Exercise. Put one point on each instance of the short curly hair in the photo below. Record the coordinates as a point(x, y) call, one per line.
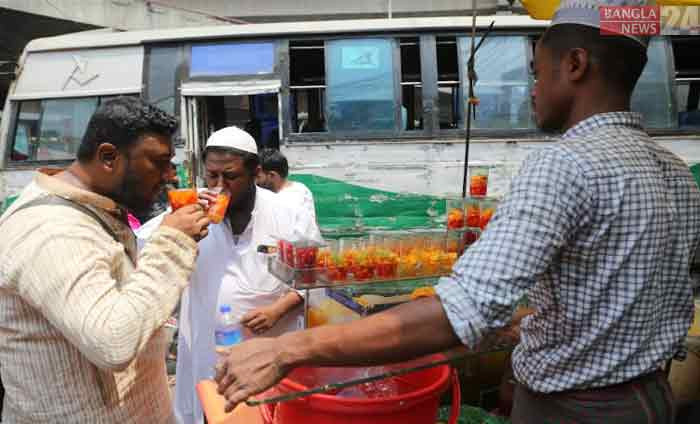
point(274, 160)
point(121, 122)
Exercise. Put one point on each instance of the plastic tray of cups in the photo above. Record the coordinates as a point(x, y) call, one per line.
point(310, 278)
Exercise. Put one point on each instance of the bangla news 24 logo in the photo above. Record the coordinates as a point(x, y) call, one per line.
point(650, 20)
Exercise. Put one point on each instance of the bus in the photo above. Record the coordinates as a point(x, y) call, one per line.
point(370, 113)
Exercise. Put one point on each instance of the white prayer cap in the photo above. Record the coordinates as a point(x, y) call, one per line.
point(233, 138)
point(587, 12)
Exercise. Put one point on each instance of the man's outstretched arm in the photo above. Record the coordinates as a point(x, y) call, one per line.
point(401, 333)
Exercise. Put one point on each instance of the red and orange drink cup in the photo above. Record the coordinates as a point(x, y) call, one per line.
point(455, 214)
point(454, 244)
point(217, 210)
point(478, 180)
point(337, 273)
point(305, 256)
point(387, 264)
point(182, 197)
point(305, 261)
point(473, 213)
point(470, 237)
point(487, 210)
point(282, 250)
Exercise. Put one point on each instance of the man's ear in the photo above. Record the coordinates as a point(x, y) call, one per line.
point(577, 62)
point(108, 156)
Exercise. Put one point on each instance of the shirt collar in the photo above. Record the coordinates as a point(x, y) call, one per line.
point(60, 188)
point(616, 119)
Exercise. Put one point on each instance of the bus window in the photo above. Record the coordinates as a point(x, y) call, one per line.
point(210, 60)
point(20, 150)
point(51, 129)
point(687, 81)
point(411, 89)
point(307, 75)
point(503, 85)
point(652, 94)
point(448, 83)
point(360, 85)
point(688, 98)
point(161, 89)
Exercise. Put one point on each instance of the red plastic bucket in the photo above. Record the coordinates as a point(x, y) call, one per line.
point(418, 402)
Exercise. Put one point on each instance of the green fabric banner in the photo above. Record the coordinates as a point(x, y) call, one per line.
point(343, 207)
point(695, 170)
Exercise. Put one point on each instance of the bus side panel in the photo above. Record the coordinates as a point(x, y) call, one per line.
point(403, 185)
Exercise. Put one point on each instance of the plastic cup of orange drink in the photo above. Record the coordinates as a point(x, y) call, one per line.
point(473, 213)
point(217, 210)
point(182, 197)
point(455, 213)
point(487, 210)
point(478, 180)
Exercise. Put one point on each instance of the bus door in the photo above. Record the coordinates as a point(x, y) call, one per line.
point(250, 105)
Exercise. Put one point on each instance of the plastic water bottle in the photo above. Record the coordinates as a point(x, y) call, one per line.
point(227, 332)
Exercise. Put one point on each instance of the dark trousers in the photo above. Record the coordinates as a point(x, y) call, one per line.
point(647, 399)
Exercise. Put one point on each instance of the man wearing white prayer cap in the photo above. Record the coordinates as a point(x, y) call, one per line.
point(229, 269)
point(598, 230)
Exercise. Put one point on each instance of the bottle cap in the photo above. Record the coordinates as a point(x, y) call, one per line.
point(224, 309)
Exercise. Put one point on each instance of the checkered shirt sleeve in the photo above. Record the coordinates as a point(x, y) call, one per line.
point(546, 204)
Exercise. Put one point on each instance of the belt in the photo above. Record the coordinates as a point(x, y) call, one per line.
point(601, 392)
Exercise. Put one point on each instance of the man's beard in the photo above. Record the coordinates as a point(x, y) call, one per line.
point(244, 202)
point(130, 194)
point(266, 185)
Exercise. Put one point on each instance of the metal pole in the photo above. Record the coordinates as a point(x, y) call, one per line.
point(390, 11)
point(470, 65)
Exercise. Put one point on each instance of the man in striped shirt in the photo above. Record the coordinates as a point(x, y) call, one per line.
point(81, 312)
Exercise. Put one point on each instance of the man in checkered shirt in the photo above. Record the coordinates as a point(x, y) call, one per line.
point(599, 231)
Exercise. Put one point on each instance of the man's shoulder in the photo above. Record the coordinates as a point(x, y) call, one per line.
point(305, 189)
point(670, 161)
point(22, 216)
point(296, 187)
point(270, 201)
point(300, 186)
point(555, 156)
point(265, 196)
point(30, 192)
point(296, 193)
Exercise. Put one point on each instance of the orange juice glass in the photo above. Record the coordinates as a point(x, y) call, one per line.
point(453, 243)
point(217, 210)
point(182, 197)
point(470, 237)
point(473, 213)
point(455, 214)
point(487, 210)
point(478, 180)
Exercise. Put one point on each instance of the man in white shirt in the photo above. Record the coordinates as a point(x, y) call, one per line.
point(273, 177)
point(229, 270)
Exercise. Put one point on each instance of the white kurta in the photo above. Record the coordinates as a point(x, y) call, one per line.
point(228, 273)
point(299, 196)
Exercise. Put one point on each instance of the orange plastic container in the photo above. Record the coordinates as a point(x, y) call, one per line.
point(417, 404)
point(182, 197)
point(217, 211)
point(213, 405)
